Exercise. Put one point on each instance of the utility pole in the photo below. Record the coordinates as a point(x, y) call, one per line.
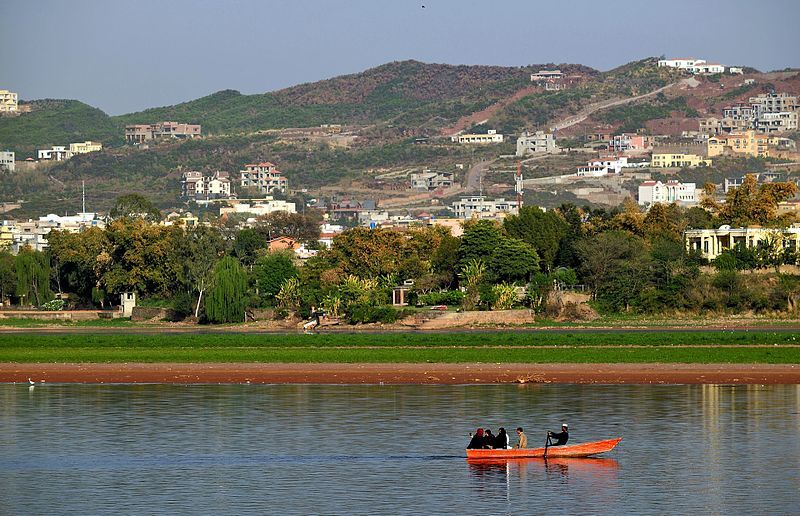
point(83, 196)
point(518, 184)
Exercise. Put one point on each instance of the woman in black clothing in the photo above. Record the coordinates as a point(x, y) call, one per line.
point(488, 438)
point(501, 441)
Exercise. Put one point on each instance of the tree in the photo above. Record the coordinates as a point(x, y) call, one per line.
point(202, 247)
point(513, 260)
point(303, 227)
point(479, 241)
point(749, 203)
point(227, 299)
point(135, 206)
point(473, 274)
point(270, 272)
point(543, 230)
point(247, 243)
point(603, 255)
point(81, 260)
point(33, 276)
point(8, 275)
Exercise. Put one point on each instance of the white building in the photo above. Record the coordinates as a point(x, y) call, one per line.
point(34, 233)
point(57, 153)
point(651, 192)
point(490, 137)
point(196, 186)
point(536, 143)
point(478, 206)
point(693, 65)
point(264, 176)
point(710, 243)
point(8, 101)
point(7, 161)
point(259, 207)
point(777, 122)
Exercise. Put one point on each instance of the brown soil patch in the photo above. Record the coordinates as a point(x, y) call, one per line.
point(402, 373)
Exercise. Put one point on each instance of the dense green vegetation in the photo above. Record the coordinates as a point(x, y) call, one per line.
point(692, 347)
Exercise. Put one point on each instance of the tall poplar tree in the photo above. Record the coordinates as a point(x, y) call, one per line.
point(33, 276)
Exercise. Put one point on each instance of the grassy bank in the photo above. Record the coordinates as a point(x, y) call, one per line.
point(680, 347)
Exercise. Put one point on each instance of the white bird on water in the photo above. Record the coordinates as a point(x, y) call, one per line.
point(31, 382)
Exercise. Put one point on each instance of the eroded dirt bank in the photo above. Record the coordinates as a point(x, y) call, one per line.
point(402, 373)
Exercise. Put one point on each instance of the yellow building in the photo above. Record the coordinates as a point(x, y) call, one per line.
point(678, 160)
point(7, 230)
point(8, 101)
point(748, 143)
point(83, 148)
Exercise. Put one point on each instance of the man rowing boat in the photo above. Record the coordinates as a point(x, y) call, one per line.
point(561, 437)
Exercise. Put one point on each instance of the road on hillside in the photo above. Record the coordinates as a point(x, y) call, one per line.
point(475, 172)
point(597, 106)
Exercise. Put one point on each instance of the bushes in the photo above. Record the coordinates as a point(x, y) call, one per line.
point(361, 314)
point(450, 297)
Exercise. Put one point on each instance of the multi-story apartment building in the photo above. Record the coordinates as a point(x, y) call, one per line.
point(652, 192)
point(8, 101)
point(259, 207)
point(7, 161)
point(263, 176)
point(34, 233)
point(478, 206)
point(140, 133)
point(629, 142)
point(774, 102)
point(710, 126)
point(536, 143)
point(748, 143)
point(430, 181)
point(57, 153)
point(490, 137)
point(83, 148)
point(196, 186)
point(778, 122)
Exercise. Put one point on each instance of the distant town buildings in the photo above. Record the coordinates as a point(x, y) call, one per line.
point(478, 206)
point(7, 161)
point(675, 156)
point(652, 192)
point(710, 243)
point(264, 176)
point(748, 143)
point(555, 80)
point(34, 233)
point(83, 148)
point(490, 137)
point(141, 133)
point(430, 181)
point(692, 65)
point(56, 153)
point(259, 207)
point(626, 142)
point(8, 102)
point(194, 185)
point(536, 143)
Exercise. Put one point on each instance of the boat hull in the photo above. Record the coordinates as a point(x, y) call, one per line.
point(570, 450)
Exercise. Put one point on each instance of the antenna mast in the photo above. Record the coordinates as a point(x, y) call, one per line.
point(83, 196)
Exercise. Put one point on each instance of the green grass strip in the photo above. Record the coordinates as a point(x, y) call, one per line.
point(681, 347)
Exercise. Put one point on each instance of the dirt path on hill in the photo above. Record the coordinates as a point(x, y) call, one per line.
point(468, 121)
point(381, 374)
point(598, 106)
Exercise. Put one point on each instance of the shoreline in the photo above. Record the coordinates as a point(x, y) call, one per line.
point(399, 373)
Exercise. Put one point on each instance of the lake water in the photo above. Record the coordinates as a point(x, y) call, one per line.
point(234, 449)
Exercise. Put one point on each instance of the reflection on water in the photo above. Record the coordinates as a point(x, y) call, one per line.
point(102, 449)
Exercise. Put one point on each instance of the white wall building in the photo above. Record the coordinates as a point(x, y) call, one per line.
point(7, 161)
point(430, 181)
point(490, 137)
point(260, 207)
point(692, 65)
point(57, 153)
point(651, 192)
point(478, 206)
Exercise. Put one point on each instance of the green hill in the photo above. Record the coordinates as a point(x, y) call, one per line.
point(56, 122)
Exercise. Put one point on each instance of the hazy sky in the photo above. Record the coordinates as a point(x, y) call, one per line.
point(124, 56)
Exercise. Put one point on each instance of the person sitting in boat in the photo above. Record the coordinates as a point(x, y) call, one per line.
point(523, 439)
point(501, 441)
point(477, 440)
point(561, 437)
point(488, 438)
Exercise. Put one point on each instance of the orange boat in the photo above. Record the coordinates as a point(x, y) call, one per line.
point(570, 450)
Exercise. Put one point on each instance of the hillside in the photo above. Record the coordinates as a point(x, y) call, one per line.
point(56, 122)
